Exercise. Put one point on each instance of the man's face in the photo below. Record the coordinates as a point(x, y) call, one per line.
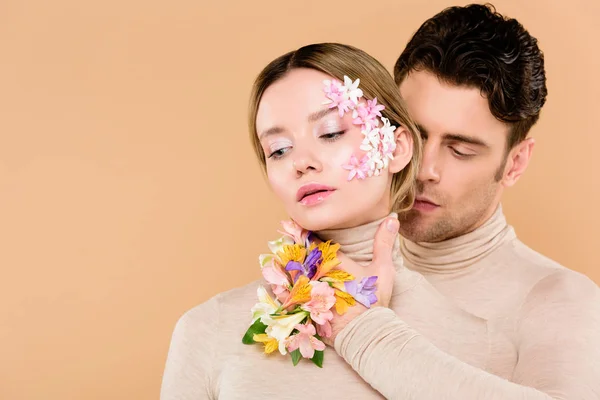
point(464, 153)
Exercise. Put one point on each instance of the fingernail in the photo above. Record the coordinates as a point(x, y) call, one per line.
point(392, 225)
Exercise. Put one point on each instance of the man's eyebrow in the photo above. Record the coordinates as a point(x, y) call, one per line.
point(320, 114)
point(457, 137)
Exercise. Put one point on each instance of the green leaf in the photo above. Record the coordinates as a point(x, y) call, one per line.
point(256, 328)
point(296, 356)
point(318, 358)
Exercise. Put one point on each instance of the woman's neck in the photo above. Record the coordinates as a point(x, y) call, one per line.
point(357, 243)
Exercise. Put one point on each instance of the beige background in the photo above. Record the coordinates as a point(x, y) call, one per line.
point(129, 192)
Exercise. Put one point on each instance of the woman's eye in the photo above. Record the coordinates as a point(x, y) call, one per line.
point(332, 136)
point(278, 153)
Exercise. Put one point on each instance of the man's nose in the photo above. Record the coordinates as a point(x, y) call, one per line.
point(429, 171)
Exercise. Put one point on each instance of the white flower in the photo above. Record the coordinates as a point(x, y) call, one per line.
point(352, 90)
point(282, 327)
point(265, 307)
point(277, 245)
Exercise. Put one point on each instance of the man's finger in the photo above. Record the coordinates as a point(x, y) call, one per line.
point(384, 240)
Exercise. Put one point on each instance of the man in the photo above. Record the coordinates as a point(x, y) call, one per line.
point(500, 321)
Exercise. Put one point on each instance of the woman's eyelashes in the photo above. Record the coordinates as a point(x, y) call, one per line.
point(277, 154)
point(332, 137)
point(278, 151)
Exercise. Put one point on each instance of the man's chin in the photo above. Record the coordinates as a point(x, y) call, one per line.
point(418, 228)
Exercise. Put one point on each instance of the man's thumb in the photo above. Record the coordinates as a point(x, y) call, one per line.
point(385, 238)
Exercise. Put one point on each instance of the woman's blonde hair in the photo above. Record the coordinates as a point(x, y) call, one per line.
point(337, 60)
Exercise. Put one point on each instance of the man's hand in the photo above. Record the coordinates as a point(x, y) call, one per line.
point(382, 266)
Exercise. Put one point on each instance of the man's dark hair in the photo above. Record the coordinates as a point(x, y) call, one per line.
point(475, 46)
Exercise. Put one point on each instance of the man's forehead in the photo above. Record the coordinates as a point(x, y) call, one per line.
point(440, 108)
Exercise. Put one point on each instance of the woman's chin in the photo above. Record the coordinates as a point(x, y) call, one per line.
point(316, 221)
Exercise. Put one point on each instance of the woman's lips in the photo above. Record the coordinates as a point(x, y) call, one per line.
point(315, 198)
point(313, 193)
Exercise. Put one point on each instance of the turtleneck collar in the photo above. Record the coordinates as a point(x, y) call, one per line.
point(357, 243)
point(454, 255)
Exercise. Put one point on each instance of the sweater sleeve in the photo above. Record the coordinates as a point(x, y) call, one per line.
point(190, 362)
point(559, 349)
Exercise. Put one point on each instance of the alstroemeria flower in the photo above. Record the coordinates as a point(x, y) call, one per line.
point(325, 330)
point(300, 293)
point(296, 232)
point(343, 301)
point(305, 340)
point(330, 260)
point(363, 291)
point(283, 326)
point(322, 298)
point(276, 277)
point(270, 343)
point(265, 307)
point(277, 245)
point(292, 252)
point(356, 168)
point(308, 268)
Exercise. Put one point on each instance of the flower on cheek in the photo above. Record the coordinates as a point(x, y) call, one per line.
point(366, 114)
point(337, 96)
point(354, 93)
point(356, 168)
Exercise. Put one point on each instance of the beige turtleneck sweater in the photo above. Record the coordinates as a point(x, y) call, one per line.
point(481, 316)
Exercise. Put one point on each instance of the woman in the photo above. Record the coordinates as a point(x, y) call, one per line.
point(341, 165)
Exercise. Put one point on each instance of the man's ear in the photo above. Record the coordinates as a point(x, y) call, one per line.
point(404, 150)
point(517, 162)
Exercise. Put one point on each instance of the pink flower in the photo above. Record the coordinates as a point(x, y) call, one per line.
point(357, 168)
point(322, 298)
point(324, 330)
point(276, 277)
point(367, 113)
point(338, 96)
point(305, 340)
point(295, 231)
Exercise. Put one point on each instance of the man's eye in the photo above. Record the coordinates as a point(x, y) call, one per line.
point(459, 154)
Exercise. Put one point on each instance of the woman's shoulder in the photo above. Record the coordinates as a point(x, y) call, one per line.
point(228, 306)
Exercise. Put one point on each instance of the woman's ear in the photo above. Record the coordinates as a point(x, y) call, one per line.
point(404, 150)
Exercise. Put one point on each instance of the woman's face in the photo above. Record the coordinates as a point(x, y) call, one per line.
point(307, 145)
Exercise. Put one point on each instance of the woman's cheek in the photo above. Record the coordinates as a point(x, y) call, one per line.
point(277, 185)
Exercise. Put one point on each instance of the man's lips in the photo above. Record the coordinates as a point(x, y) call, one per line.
point(423, 203)
point(312, 188)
